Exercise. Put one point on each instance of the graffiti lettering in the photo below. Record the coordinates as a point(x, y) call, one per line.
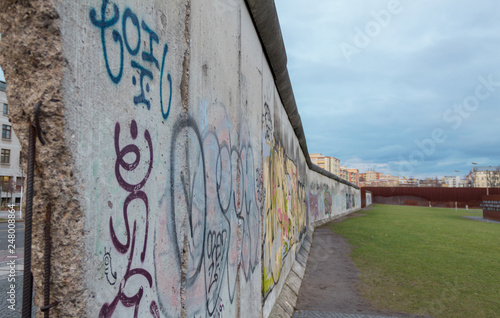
point(313, 206)
point(150, 65)
point(328, 201)
point(103, 24)
point(215, 252)
point(135, 194)
point(220, 309)
point(268, 123)
point(285, 213)
point(216, 194)
point(108, 268)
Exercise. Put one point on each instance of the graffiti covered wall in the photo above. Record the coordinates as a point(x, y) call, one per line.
point(295, 197)
point(193, 191)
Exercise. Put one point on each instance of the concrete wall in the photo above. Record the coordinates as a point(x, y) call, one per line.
point(366, 198)
point(369, 200)
point(177, 183)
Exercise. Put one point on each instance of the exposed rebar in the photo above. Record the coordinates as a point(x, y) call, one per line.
point(28, 219)
point(46, 266)
point(37, 122)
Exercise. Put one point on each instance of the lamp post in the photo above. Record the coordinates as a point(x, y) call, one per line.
point(21, 204)
point(487, 181)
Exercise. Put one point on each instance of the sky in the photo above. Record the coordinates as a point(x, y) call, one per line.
point(410, 88)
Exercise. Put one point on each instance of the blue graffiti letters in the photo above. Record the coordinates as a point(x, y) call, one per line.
point(144, 63)
point(128, 14)
point(148, 56)
point(103, 25)
point(143, 72)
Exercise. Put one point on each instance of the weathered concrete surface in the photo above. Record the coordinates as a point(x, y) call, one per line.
point(32, 60)
point(174, 166)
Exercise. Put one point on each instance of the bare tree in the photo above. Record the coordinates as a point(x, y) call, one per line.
point(10, 188)
point(468, 181)
point(493, 177)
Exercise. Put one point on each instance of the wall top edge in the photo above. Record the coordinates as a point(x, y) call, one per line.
point(265, 19)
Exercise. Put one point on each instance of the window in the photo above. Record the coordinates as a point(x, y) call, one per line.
point(19, 181)
point(5, 109)
point(6, 132)
point(5, 156)
point(4, 181)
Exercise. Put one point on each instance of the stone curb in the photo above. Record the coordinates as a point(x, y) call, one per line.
point(287, 299)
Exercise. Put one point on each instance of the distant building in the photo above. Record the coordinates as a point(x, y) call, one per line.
point(372, 178)
point(454, 182)
point(11, 174)
point(370, 175)
point(408, 182)
point(485, 177)
point(330, 164)
point(351, 175)
point(343, 173)
point(431, 182)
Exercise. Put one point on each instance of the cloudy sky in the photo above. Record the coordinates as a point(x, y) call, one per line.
point(403, 87)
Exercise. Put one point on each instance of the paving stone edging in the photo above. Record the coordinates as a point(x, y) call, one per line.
point(287, 299)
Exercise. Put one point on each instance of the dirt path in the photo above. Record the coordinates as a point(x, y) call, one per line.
point(329, 284)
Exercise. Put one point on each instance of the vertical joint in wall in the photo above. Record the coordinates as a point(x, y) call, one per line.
point(184, 265)
point(187, 60)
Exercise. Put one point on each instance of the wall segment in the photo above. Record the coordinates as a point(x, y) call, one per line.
point(176, 168)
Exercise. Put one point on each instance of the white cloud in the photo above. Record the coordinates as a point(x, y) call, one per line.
point(396, 89)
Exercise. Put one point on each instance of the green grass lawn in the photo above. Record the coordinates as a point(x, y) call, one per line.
point(428, 261)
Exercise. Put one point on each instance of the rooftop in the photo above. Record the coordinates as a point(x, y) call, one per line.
point(486, 168)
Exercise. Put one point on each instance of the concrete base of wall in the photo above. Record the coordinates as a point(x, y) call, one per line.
point(285, 305)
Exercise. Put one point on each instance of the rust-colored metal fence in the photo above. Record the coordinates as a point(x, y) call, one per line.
point(434, 196)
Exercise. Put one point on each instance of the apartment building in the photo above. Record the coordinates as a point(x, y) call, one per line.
point(372, 178)
point(485, 177)
point(370, 175)
point(408, 182)
point(11, 173)
point(351, 175)
point(454, 182)
point(330, 164)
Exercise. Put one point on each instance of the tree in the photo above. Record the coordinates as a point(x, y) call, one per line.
point(468, 181)
point(9, 187)
point(493, 177)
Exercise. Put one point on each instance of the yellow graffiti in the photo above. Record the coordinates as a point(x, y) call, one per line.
point(285, 217)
